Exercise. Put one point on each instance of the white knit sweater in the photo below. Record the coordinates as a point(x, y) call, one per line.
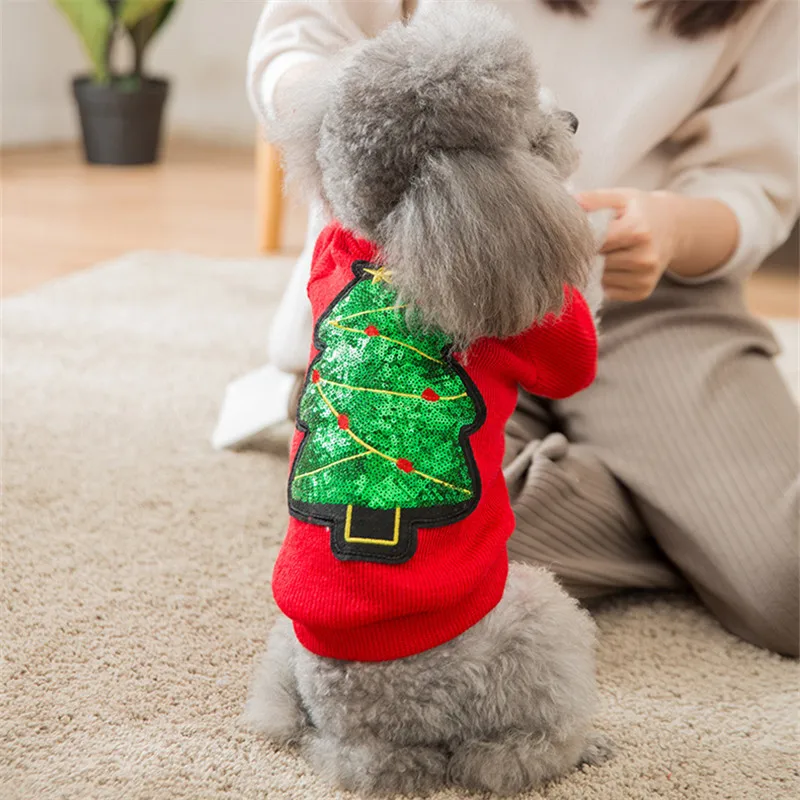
point(715, 118)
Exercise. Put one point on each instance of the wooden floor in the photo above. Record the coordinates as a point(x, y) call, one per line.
point(59, 215)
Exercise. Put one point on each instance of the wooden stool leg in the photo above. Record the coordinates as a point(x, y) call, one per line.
point(270, 200)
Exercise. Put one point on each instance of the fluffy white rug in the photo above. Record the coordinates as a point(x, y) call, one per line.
point(137, 561)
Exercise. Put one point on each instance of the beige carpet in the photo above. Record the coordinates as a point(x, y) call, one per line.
point(136, 568)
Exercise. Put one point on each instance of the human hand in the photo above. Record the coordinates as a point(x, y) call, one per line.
point(640, 242)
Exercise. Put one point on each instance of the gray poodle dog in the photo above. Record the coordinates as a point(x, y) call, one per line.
point(431, 141)
point(504, 707)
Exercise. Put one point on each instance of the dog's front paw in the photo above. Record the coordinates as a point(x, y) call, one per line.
point(597, 750)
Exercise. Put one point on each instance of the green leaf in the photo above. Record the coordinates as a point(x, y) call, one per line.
point(164, 14)
point(93, 23)
point(134, 10)
point(146, 28)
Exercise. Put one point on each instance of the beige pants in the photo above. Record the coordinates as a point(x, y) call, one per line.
point(681, 466)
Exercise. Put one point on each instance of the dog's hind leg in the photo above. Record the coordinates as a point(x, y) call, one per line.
point(597, 749)
point(274, 707)
point(513, 763)
point(376, 767)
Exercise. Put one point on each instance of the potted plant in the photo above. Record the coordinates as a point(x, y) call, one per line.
point(120, 113)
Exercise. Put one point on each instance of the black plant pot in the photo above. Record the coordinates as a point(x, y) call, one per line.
point(121, 124)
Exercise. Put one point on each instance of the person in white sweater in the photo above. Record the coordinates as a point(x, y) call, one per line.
point(679, 466)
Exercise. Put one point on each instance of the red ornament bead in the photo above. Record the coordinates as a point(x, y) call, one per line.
point(344, 422)
point(430, 395)
point(371, 330)
point(405, 465)
point(315, 377)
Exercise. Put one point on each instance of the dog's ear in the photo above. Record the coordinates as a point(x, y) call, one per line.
point(482, 245)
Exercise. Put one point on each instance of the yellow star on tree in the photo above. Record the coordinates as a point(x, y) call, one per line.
point(380, 275)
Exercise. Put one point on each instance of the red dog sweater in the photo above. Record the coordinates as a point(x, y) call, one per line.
point(399, 513)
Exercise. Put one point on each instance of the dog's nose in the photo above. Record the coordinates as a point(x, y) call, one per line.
point(572, 121)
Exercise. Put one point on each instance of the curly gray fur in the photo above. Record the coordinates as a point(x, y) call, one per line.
point(430, 141)
point(503, 264)
point(504, 707)
point(297, 131)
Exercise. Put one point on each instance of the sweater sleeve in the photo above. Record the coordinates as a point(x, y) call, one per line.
point(293, 32)
point(741, 148)
point(557, 357)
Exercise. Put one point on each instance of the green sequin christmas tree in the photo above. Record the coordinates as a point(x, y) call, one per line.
point(387, 413)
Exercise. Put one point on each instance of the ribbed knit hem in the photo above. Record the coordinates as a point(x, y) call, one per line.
point(406, 636)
